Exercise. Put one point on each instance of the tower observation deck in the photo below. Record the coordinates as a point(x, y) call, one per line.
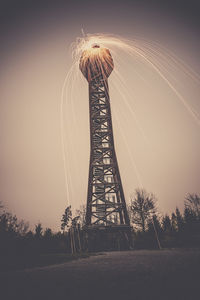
point(106, 206)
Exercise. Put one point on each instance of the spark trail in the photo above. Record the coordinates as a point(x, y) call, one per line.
point(138, 54)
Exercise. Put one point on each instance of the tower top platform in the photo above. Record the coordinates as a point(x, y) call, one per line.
point(96, 61)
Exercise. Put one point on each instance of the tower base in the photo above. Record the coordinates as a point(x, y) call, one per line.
point(108, 238)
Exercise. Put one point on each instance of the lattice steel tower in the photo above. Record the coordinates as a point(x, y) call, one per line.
point(106, 204)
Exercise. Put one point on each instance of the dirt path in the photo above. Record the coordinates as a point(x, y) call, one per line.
point(137, 275)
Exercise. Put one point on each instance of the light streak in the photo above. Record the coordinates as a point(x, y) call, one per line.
point(163, 62)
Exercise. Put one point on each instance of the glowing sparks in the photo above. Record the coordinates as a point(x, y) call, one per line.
point(95, 61)
point(94, 54)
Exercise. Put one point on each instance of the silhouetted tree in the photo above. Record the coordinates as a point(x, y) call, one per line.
point(174, 222)
point(154, 222)
point(48, 233)
point(192, 202)
point(189, 216)
point(179, 220)
point(166, 224)
point(11, 225)
point(191, 227)
point(66, 218)
point(143, 207)
point(81, 212)
point(75, 221)
point(38, 230)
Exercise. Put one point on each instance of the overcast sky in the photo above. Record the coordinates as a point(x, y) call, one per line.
point(35, 57)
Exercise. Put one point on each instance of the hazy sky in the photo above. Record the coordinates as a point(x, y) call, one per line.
point(35, 58)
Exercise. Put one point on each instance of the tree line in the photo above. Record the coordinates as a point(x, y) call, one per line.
point(151, 230)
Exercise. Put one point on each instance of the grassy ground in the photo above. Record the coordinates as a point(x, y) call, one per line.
point(18, 262)
point(131, 275)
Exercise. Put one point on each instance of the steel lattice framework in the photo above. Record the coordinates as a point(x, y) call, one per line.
point(105, 201)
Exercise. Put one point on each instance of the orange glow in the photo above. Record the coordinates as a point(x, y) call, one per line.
point(95, 61)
